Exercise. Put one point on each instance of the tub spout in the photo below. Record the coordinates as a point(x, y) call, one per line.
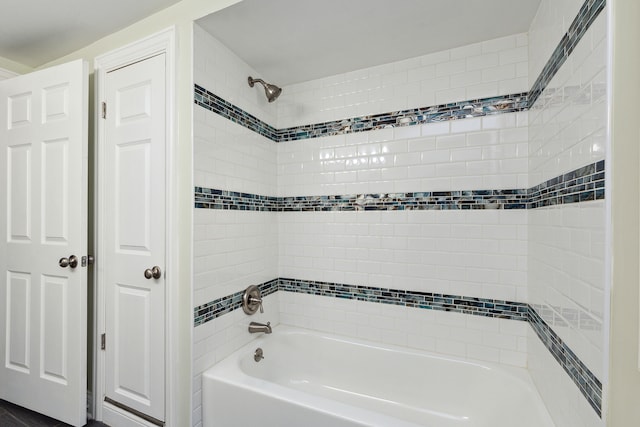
point(255, 327)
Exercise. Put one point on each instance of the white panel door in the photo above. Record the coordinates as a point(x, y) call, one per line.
point(43, 218)
point(134, 227)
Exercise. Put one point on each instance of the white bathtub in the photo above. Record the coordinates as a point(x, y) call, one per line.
point(312, 379)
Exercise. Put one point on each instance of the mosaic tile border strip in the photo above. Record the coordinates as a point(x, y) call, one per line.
point(216, 308)
point(207, 198)
point(425, 200)
point(210, 198)
point(415, 116)
point(584, 379)
point(425, 300)
point(213, 102)
point(581, 23)
point(580, 185)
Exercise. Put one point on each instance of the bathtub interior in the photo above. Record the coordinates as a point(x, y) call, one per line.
point(355, 380)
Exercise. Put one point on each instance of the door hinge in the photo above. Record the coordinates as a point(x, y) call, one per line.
point(103, 341)
point(104, 110)
point(86, 260)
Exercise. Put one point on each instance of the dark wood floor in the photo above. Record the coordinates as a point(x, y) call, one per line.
point(15, 416)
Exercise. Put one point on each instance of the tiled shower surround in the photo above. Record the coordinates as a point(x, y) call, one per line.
point(418, 203)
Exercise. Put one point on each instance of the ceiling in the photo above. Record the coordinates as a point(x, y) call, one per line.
point(286, 41)
point(34, 32)
point(290, 41)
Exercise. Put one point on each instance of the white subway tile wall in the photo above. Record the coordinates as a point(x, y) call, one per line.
point(495, 254)
point(471, 337)
point(225, 74)
point(567, 125)
point(491, 68)
point(566, 251)
point(213, 341)
point(231, 157)
point(472, 154)
point(566, 273)
point(474, 253)
point(567, 407)
point(550, 24)
point(232, 249)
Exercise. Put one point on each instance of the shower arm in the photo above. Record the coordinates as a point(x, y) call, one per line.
point(252, 81)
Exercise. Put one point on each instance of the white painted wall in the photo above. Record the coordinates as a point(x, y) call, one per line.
point(6, 74)
point(624, 364)
point(11, 67)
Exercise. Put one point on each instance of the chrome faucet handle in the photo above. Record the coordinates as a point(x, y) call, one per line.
point(254, 300)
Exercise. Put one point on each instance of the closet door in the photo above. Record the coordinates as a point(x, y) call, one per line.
point(133, 220)
point(43, 239)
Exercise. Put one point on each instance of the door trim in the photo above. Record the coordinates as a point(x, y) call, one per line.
point(158, 43)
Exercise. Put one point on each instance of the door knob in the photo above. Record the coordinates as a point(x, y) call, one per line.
point(71, 262)
point(153, 272)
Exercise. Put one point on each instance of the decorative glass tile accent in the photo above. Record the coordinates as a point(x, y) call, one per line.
point(415, 116)
point(426, 200)
point(426, 300)
point(580, 185)
point(584, 379)
point(216, 308)
point(587, 14)
point(209, 198)
point(212, 102)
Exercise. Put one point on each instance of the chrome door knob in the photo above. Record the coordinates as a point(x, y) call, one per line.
point(153, 272)
point(71, 262)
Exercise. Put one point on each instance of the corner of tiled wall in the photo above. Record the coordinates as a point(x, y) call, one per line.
point(566, 277)
point(233, 249)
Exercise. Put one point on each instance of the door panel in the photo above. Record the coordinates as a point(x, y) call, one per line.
point(43, 218)
point(18, 295)
point(54, 324)
point(19, 192)
point(55, 191)
point(132, 304)
point(133, 177)
point(134, 224)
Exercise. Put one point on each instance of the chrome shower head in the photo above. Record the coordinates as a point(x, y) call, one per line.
point(271, 91)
